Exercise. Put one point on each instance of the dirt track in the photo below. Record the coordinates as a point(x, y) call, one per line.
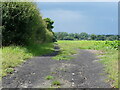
point(84, 71)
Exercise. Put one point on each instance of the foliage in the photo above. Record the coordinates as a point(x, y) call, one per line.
point(49, 23)
point(84, 36)
point(61, 35)
point(9, 70)
point(68, 38)
point(50, 26)
point(93, 36)
point(106, 45)
point(23, 24)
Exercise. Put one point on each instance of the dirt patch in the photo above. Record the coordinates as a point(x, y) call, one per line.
point(96, 51)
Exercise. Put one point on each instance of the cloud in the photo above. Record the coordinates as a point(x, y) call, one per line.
point(88, 20)
point(66, 20)
point(60, 14)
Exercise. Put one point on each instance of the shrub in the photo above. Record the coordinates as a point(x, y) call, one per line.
point(23, 24)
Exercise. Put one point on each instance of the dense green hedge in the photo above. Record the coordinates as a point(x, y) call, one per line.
point(22, 24)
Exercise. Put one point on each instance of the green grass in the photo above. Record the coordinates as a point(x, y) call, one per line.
point(57, 83)
point(110, 59)
point(66, 50)
point(13, 56)
point(49, 77)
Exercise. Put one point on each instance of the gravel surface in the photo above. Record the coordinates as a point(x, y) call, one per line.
point(84, 71)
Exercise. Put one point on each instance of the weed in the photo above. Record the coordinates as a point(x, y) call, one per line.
point(49, 77)
point(57, 83)
point(9, 70)
point(53, 72)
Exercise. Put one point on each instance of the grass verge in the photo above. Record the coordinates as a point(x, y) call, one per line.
point(110, 58)
point(13, 56)
point(66, 50)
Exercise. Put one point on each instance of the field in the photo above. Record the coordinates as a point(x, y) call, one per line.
point(15, 55)
point(109, 59)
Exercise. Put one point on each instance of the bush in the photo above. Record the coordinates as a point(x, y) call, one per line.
point(23, 24)
point(68, 38)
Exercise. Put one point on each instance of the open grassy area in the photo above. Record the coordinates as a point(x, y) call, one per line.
point(13, 56)
point(110, 58)
point(68, 48)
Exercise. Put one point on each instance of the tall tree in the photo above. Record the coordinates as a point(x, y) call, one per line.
point(50, 26)
point(22, 24)
point(84, 36)
point(93, 37)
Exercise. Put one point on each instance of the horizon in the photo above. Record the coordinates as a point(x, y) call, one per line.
point(88, 33)
point(89, 17)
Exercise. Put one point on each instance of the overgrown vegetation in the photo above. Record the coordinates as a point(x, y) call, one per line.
point(24, 34)
point(110, 58)
point(84, 36)
point(22, 24)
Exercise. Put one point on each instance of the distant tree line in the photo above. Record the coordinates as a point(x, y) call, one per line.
point(22, 24)
point(84, 36)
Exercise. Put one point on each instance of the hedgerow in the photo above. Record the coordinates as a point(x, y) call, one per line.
point(22, 24)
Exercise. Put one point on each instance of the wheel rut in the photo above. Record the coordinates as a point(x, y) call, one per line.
point(81, 72)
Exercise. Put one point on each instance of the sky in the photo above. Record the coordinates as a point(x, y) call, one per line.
point(77, 17)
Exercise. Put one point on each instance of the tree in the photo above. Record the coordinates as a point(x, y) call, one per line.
point(61, 35)
point(93, 36)
point(50, 26)
point(83, 36)
point(112, 37)
point(68, 38)
point(76, 36)
point(49, 23)
point(71, 34)
point(23, 24)
point(100, 37)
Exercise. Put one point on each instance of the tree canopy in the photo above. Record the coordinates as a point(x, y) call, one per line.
point(84, 36)
point(23, 24)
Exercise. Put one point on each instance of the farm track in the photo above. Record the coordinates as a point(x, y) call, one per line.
point(84, 71)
